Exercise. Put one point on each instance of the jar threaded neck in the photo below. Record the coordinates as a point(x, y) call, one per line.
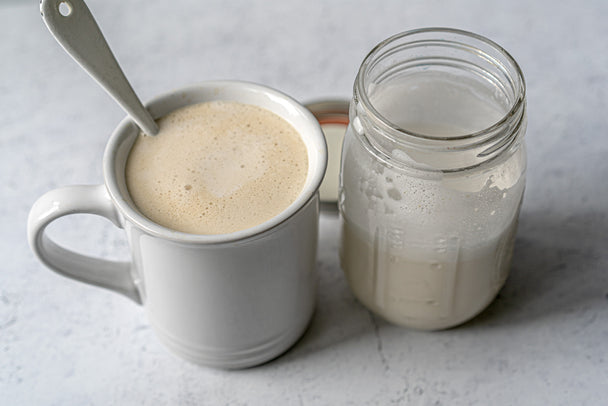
point(439, 91)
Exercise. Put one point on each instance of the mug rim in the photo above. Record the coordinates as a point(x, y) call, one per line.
point(315, 175)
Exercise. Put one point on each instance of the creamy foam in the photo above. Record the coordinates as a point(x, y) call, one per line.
point(217, 167)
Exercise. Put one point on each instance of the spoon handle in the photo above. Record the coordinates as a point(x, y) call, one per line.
point(73, 26)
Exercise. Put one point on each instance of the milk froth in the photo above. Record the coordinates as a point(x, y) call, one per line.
point(217, 167)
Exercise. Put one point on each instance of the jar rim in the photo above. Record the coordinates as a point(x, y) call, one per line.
point(516, 106)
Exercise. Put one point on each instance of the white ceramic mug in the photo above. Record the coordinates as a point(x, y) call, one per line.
point(231, 300)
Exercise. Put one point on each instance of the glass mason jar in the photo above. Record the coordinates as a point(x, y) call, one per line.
point(432, 176)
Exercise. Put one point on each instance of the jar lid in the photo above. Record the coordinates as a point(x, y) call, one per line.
point(332, 114)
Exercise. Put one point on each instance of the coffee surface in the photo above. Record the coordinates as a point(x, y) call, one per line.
point(217, 167)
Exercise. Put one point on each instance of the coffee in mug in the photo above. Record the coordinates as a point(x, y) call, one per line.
point(229, 300)
point(217, 167)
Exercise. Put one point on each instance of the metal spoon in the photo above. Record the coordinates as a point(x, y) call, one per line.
point(73, 26)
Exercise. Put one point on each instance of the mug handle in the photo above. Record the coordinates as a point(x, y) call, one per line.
point(91, 199)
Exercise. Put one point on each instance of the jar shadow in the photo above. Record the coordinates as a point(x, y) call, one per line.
point(555, 270)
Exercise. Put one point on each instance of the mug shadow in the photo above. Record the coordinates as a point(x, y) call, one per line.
point(555, 264)
point(338, 317)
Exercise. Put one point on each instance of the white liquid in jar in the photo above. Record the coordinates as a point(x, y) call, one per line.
point(430, 253)
point(421, 284)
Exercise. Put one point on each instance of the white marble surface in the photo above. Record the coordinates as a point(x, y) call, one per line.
point(544, 341)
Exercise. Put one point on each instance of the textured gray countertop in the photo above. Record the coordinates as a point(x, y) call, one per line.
point(544, 341)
